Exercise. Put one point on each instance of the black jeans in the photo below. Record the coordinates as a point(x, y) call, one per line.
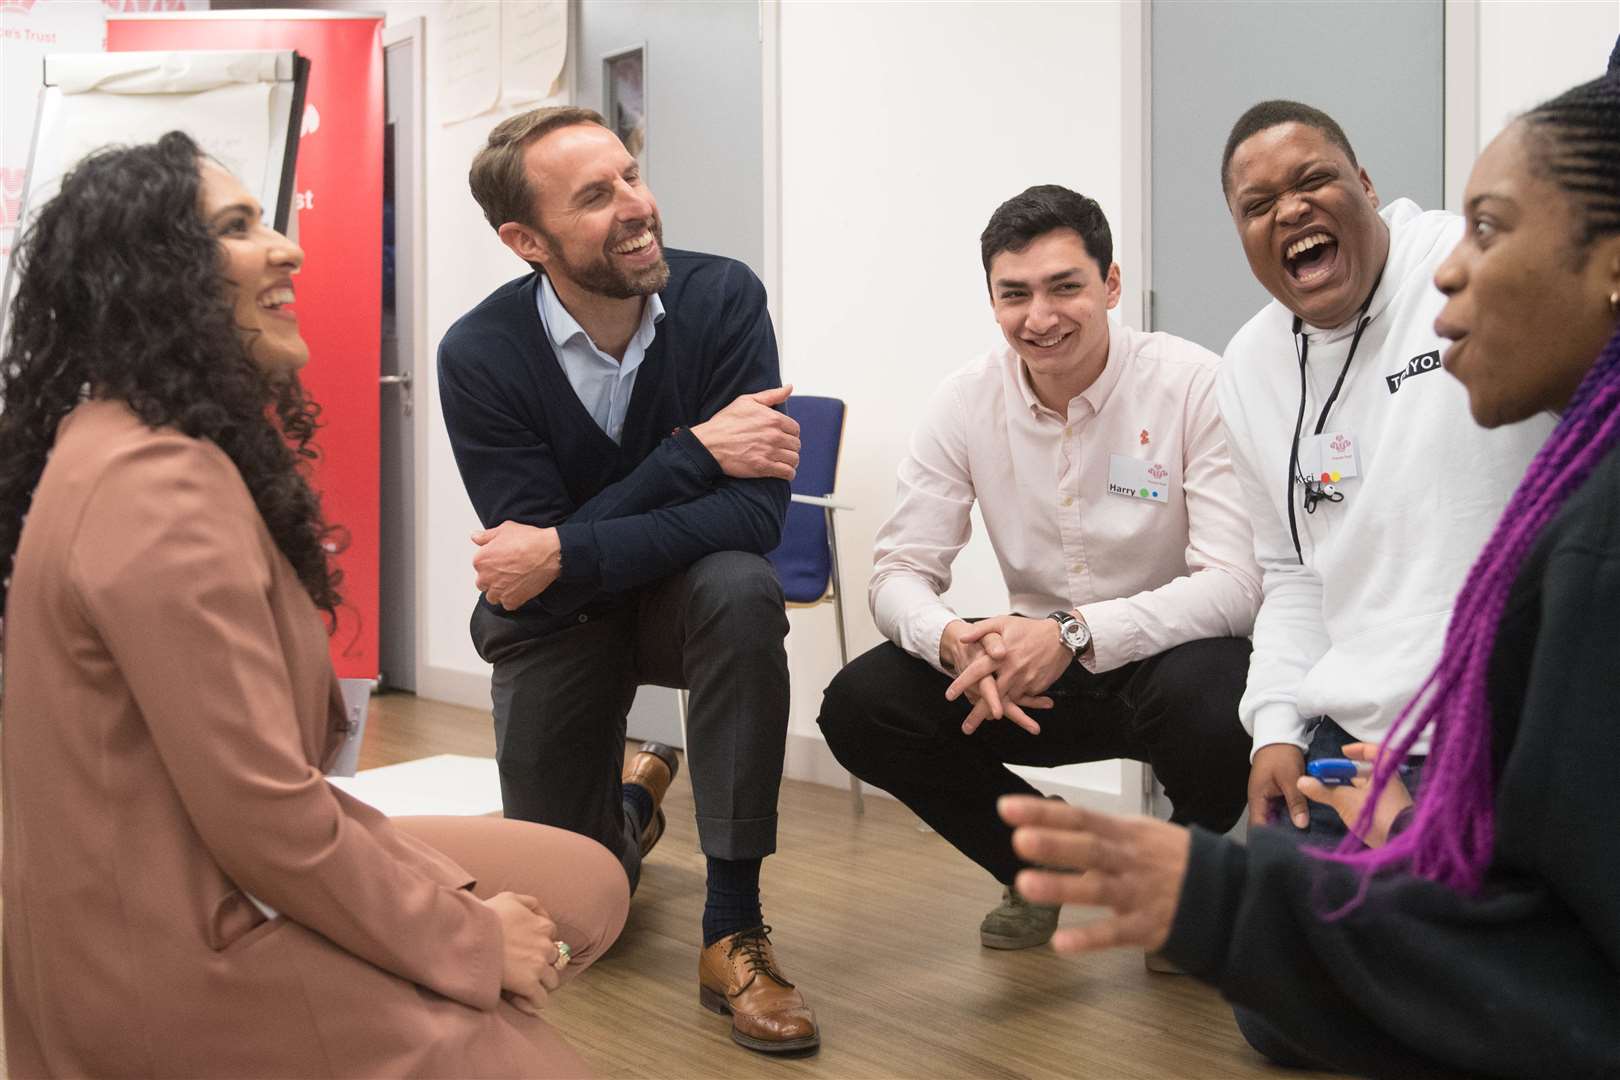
point(887, 721)
point(560, 703)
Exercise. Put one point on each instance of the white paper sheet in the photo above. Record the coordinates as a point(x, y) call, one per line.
point(231, 123)
point(472, 51)
point(534, 44)
point(451, 784)
point(181, 72)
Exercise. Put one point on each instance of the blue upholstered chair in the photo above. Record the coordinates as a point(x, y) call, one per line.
point(806, 560)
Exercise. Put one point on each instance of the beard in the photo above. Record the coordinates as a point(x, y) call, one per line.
point(599, 275)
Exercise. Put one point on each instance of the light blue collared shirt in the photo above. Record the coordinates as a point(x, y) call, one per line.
point(602, 384)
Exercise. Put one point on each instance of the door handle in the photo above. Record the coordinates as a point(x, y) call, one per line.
point(403, 381)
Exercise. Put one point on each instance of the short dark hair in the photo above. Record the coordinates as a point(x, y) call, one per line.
point(498, 178)
point(1269, 114)
point(1039, 210)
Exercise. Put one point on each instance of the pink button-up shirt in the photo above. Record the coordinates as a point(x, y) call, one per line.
point(1146, 575)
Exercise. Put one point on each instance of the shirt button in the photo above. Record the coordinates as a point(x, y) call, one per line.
point(1068, 501)
point(584, 618)
point(1079, 568)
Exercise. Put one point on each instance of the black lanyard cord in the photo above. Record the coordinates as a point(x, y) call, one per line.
point(1313, 487)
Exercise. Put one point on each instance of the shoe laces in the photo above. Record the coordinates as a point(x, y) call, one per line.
point(1011, 899)
point(754, 944)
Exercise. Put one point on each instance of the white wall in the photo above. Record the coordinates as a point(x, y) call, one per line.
point(1531, 50)
point(464, 262)
point(900, 134)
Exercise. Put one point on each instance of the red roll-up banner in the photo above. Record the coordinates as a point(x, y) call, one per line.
point(339, 213)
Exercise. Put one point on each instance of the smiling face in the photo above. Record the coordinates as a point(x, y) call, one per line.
point(596, 227)
point(1051, 303)
point(259, 267)
point(1309, 222)
point(1526, 309)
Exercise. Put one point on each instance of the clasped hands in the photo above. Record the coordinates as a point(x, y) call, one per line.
point(531, 962)
point(749, 439)
point(1003, 665)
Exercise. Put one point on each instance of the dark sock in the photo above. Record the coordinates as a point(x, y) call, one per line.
point(733, 902)
point(638, 803)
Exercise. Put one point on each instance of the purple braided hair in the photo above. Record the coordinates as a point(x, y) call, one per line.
point(1451, 835)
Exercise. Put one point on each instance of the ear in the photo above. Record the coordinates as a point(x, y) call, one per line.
point(1367, 186)
point(1605, 265)
point(524, 242)
point(1111, 286)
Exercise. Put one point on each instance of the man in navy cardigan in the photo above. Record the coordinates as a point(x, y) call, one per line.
point(612, 415)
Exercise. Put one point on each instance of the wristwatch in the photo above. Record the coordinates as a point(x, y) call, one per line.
point(1074, 633)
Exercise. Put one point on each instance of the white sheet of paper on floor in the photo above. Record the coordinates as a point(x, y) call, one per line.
point(452, 784)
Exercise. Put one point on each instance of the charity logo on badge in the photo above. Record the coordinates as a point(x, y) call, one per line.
point(1137, 479)
point(1329, 457)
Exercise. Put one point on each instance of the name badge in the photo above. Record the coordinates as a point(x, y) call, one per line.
point(1137, 479)
point(1329, 457)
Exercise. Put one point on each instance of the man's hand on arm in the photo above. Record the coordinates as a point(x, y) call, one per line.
point(1273, 778)
point(515, 562)
point(750, 439)
point(999, 665)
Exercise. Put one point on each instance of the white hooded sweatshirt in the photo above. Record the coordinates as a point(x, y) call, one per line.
point(1353, 631)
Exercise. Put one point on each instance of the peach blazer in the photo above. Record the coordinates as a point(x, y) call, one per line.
point(168, 705)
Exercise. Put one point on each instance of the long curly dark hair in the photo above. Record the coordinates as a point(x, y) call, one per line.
point(122, 290)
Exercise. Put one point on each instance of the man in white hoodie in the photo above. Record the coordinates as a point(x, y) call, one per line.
point(1369, 487)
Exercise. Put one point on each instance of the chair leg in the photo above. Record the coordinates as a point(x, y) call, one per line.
point(686, 752)
point(857, 797)
point(680, 711)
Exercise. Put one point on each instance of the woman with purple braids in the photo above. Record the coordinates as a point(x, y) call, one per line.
point(1482, 938)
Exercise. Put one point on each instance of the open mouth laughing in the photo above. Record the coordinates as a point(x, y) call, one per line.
point(640, 247)
point(278, 301)
point(1310, 258)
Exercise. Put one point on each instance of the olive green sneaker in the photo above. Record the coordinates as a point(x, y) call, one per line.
point(1017, 923)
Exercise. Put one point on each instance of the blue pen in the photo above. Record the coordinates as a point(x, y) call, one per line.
point(1338, 770)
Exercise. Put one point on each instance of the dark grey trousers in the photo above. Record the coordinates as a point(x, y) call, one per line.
point(560, 702)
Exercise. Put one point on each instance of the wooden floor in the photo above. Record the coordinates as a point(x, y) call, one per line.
point(878, 924)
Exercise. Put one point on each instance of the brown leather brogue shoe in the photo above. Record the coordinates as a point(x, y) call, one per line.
point(653, 767)
point(738, 977)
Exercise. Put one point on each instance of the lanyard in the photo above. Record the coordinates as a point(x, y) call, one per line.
point(1315, 490)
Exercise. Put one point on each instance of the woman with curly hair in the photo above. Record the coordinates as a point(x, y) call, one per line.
point(184, 894)
point(1483, 938)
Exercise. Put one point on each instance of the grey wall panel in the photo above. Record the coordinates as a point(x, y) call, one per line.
point(1377, 68)
point(704, 160)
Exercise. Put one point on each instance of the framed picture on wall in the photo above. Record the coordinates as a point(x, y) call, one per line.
point(624, 98)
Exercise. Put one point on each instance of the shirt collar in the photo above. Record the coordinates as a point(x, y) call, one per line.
point(562, 328)
point(1096, 395)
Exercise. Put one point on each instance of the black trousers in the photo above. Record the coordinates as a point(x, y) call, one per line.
point(560, 704)
point(887, 721)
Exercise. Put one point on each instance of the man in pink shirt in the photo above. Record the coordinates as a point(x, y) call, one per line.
point(1097, 457)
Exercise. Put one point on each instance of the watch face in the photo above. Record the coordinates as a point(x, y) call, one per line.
point(1071, 631)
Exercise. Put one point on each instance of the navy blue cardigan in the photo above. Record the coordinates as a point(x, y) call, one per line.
point(625, 514)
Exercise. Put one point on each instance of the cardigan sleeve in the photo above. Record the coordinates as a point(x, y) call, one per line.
point(619, 553)
point(673, 508)
point(173, 572)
